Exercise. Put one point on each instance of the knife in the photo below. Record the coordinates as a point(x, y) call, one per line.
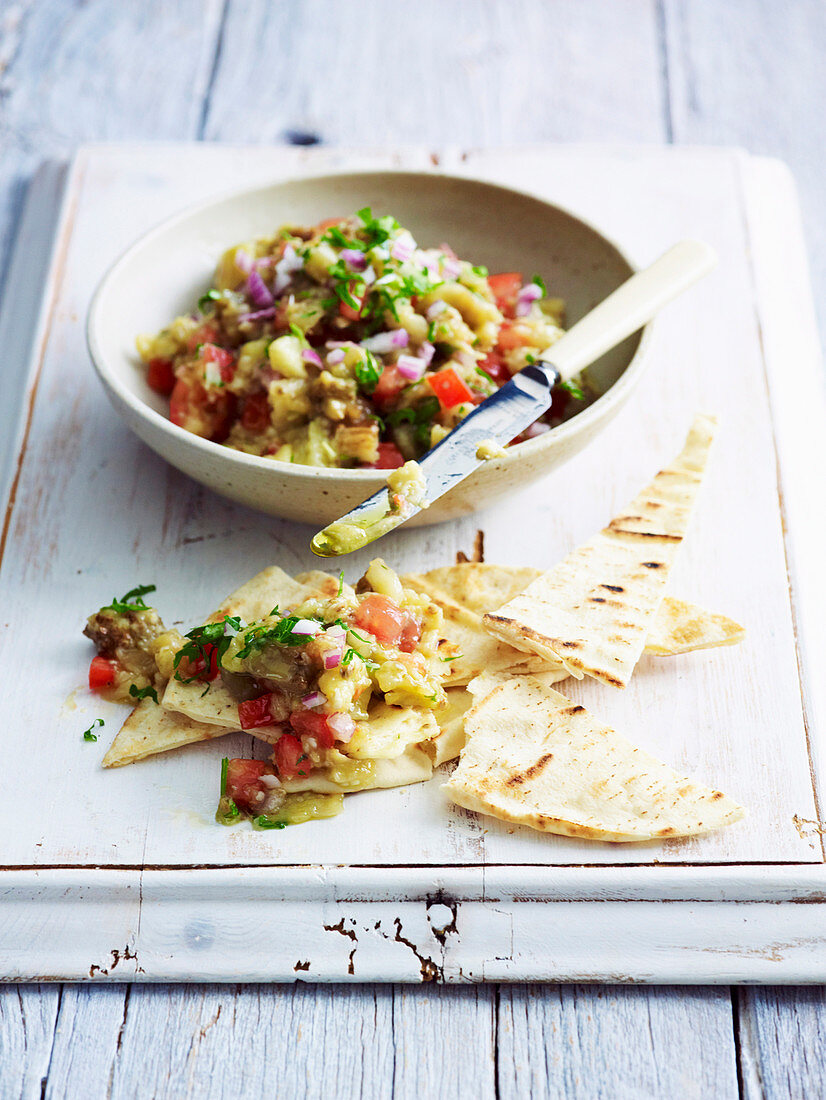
point(517, 404)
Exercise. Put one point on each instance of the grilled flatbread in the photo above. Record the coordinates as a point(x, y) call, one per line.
point(535, 758)
point(593, 611)
point(150, 729)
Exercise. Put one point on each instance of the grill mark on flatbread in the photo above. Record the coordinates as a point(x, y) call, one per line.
point(535, 758)
point(561, 612)
point(613, 587)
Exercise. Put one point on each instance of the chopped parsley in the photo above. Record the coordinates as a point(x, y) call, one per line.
point(205, 644)
point(540, 282)
point(205, 299)
point(484, 374)
point(143, 693)
point(420, 416)
point(340, 583)
point(88, 735)
point(298, 333)
point(367, 373)
point(456, 658)
point(264, 822)
point(573, 389)
point(478, 269)
point(260, 635)
point(132, 601)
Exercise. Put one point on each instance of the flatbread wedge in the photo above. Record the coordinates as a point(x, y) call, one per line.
point(535, 758)
point(681, 627)
point(594, 610)
point(150, 729)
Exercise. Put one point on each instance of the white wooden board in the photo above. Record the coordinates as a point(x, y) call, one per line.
point(94, 512)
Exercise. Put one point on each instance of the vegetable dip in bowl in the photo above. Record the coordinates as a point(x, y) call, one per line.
point(315, 347)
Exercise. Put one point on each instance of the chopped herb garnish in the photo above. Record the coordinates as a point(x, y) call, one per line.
point(340, 583)
point(367, 373)
point(484, 374)
point(206, 644)
point(478, 269)
point(88, 735)
point(420, 415)
point(205, 299)
point(456, 658)
point(264, 822)
point(260, 635)
point(298, 333)
point(227, 812)
point(132, 601)
point(573, 389)
point(143, 693)
point(350, 653)
point(540, 282)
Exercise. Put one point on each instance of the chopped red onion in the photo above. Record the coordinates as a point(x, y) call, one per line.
point(242, 261)
point(411, 367)
point(537, 428)
point(335, 356)
point(354, 259)
point(309, 355)
point(426, 352)
point(270, 781)
point(403, 247)
point(332, 659)
point(258, 291)
point(435, 309)
point(306, 626)
point(259, 315)
point(525, 299)
point(368, 276)
point(289, 263)
point(314, 699)
point(342, 726)
point(340, 344)
point(264, 263)
point(384, 342)
point(451, 267)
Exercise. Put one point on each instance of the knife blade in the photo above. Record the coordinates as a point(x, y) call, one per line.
point(500, 418)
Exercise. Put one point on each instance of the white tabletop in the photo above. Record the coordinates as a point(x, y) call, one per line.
point(499, 72)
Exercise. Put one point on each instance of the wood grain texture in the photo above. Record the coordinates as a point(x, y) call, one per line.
point(504, 71)
point(752, 74)
point(782, 1042)
point(28, 1015)
point(583, 1042)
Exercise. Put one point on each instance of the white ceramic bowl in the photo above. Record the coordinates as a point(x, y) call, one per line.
point(164, 273)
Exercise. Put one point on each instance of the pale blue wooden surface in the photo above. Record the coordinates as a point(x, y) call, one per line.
point(380, 72)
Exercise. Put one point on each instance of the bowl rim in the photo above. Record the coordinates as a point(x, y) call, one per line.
point(208, 448)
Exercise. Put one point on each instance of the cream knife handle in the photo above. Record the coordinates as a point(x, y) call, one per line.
point(630, 306)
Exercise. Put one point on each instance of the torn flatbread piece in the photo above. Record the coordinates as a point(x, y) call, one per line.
point(593, 611)
point(150, 729)
point(534, 758)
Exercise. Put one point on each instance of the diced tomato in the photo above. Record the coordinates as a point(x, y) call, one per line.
point(203, 334)
point(314, 724)
point(224, 360)
point(208, 414)
point(505, 287)
point(494, 365)
point(381, 617)
point(160, 376)
point(450, 389)
point(510, 337)
point(390, 457)
point(347, 311)
point(328, 223)
point(290, 758)
point(389, 385)
point(102, 673)
point(244, 783)
point(255, 416)
point(411, 632)
point(255, 712)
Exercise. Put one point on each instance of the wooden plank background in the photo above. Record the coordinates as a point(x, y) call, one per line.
point(476, 74)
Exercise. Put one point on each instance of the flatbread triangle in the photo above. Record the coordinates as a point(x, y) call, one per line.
point(593, 611)
point(535, 758)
